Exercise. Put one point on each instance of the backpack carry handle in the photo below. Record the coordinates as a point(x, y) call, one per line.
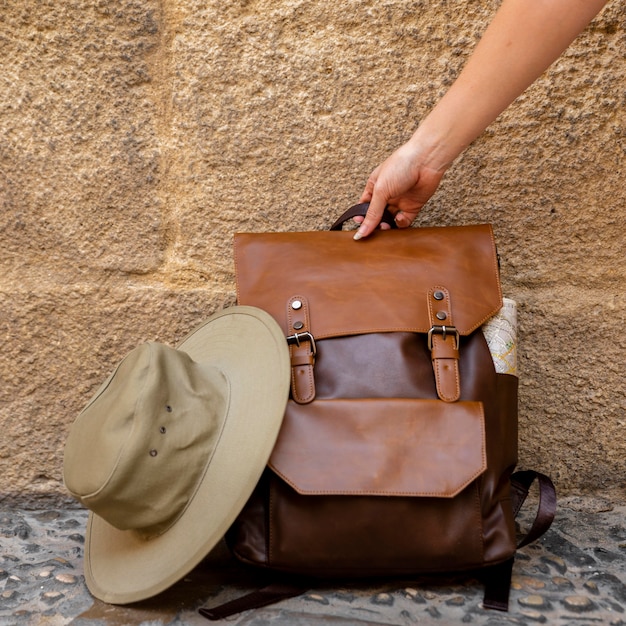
point(361, 209)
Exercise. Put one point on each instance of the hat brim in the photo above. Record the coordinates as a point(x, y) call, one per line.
point(248, 346)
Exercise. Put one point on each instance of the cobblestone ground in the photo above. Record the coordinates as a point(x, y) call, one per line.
point(573, 576)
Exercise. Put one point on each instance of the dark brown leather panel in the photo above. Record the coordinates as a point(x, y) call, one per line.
point(413, 535)
point(249, 537)
point(350, 367)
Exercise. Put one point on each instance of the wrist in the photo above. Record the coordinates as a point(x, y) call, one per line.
point(455, 122)
point(436, 144)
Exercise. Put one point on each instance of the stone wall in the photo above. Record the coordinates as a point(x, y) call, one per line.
point(137, 136)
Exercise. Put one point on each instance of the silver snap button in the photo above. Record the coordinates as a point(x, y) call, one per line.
point(153, 452)
point(441, 315)
point(438, 295)
point(296, 304)
point(298, 326)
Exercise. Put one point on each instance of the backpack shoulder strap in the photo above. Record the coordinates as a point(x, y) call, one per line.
point(269, 594)
point(497, 578)
point(520, 486)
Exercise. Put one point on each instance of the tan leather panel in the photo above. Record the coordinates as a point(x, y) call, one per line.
point(379, 284)
point(444, 347)
point(420, 447)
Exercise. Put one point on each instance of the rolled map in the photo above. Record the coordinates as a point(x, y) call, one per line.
point(501, 334)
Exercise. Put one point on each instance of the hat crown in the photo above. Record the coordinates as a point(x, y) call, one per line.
point(136, 453)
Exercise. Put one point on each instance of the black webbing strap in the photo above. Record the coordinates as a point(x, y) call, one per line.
point(497, 578)
point(497, 582)
point(254, 600)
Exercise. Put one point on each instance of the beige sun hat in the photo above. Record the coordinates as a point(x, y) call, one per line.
point(171, 446)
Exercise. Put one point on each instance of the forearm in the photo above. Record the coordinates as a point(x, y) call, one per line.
point(523, 39)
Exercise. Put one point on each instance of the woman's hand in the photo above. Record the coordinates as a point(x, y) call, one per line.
point(403, 183)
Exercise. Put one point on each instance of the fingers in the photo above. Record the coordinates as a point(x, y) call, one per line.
point(366, 196)
point(403, 220)
point(400, 183)
point(374, 212)
point(383, 225)
point(372, 217)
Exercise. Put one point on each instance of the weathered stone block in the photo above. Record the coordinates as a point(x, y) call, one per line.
point(136, 137)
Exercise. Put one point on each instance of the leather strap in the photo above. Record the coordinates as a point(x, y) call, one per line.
point(301, 349)
point(254, 600)
point(443, 341)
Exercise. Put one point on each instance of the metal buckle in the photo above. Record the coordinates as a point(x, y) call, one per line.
point(444, 331)
point(306, 336)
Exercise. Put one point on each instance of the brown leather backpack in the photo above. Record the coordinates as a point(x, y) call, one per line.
point(399, 442)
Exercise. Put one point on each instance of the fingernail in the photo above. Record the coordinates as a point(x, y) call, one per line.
point(358, 235)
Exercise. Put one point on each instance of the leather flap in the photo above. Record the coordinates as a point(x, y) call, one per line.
point(379, 284)
point(386, 447)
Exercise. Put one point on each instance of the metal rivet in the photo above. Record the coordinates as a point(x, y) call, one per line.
point(296, 304)
point(441, 315)
point(168, 408)
point(162, 430)
point(438, 295)
point(153, 453)
point(298, 326)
